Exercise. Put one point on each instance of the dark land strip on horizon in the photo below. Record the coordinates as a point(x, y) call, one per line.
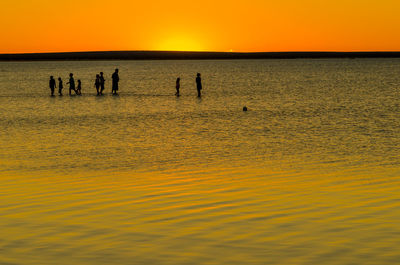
point(177, 55)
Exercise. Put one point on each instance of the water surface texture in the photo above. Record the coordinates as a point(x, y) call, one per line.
point(308, 175)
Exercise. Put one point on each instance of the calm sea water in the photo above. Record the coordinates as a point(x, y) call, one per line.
point(309, 175)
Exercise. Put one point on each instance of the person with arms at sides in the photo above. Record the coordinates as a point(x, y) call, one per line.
point(115, 80)
point(60, 86)
point(97, 84)
point(198, 84)
point(178, 86)
point(79, 88)
point(52, 85)
point(102, 81)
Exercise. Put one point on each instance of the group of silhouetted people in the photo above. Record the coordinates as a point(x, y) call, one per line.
point(99, 84)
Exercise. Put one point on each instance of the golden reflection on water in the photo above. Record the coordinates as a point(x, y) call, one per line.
point(215, 216)
point(309, 175)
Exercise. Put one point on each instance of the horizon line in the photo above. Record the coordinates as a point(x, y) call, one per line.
point(194, 51)
point(190, 55)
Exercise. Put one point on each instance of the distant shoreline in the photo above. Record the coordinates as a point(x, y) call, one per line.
point(172, 55)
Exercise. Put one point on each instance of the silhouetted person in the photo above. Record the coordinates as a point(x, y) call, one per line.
point(178, 85)
point(71, 83)
point(198, 84)
point(102, 81)
point(60, 86)
point(115, 80)
point(79, 88)
point(97, 84)
point(52, 85)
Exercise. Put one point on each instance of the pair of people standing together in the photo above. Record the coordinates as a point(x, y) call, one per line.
point(52, 85)
point(99, 83)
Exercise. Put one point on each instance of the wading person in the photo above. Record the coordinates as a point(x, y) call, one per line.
point(71, 83)
point(178, 85)
point(198, 84)
point(60, 86)
point(102, 81)
point(97, 84)
point(79, 88)
point(52, 85)
point(115, 80)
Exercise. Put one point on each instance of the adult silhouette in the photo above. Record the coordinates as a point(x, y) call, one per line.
point(52, 85)
point(178, 85)
point(60, 86)
point(115, 80)
point(102, 81)
point(71, 83)
point(198, 84)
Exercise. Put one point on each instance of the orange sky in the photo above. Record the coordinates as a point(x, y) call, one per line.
point(212, 25)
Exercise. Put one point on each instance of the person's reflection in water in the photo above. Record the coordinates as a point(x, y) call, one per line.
point(198, 84)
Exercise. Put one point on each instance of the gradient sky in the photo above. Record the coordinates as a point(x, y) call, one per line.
point(252, 25)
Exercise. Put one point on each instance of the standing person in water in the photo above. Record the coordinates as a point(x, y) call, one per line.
point(178, 85)
point(71, 83)
point(115, 80)
point(60, 86)
point(79, 88)
point(97, 84)
point(102, 81)
point(52, 85)
point(198, 84)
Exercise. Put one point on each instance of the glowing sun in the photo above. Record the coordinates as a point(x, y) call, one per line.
point(179, 43)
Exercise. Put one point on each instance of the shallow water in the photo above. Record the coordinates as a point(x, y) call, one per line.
point(309, 175)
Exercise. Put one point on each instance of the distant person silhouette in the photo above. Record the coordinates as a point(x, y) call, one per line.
point(71, 83)
point(60, 86)
point(97, 84)
point(102, 81)
point(52, 85)
point(79, 88)
point(198, 84)
point(115, 80)
point(178, 85)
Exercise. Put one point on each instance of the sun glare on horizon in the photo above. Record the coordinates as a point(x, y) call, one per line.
point(179, 43)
